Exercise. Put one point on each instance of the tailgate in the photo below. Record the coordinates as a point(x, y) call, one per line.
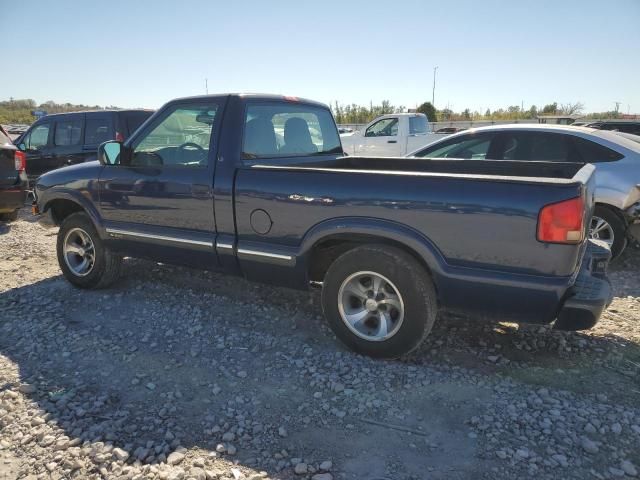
point(8, 173)
point(586, 175)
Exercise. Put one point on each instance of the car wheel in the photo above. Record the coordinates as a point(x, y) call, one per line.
point(379, 301)
point(9, 217)
point(607, 226)
point(82, 256)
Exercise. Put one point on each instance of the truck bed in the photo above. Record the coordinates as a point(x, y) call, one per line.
point(554, 171)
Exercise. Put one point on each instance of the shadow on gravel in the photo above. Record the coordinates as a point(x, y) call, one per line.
point(5, 227)
point(174, 357)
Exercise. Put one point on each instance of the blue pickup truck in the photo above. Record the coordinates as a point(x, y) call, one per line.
point(258, 185)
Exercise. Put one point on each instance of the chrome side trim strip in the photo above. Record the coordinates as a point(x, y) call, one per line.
point(258, 253)
point(117, 231)
point(224, 246)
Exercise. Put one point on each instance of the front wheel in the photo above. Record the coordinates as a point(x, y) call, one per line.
point(607, 226)
point(82, 256)
point(379, 301)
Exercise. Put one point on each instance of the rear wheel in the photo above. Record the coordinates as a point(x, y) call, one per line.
point(82, 256)
point(607, 226)
point(379, 301)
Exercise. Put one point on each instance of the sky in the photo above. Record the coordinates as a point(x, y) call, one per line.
point(489, 53)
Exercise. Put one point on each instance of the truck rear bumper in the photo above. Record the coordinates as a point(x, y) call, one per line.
point(590, 294)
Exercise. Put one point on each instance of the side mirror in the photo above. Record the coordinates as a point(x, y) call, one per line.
point(109, 152)
point(22, 147)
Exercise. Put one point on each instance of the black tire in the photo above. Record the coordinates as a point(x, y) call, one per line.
point(10, 216)
point(413, 284)
point(618, 227)
point(106, 266)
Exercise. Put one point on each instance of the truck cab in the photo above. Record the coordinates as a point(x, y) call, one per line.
point(392, 135)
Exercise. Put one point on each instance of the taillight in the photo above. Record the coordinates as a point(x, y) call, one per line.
point(562, 222)
point(119, 137)
point(21, 161)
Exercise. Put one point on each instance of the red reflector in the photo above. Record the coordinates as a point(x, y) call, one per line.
point(562, 222)
point(119, 137)
point(20, 160)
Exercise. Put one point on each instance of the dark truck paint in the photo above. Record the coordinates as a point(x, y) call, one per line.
point(433, 234)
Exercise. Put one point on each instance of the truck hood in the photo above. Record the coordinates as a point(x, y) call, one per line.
point(70, 174)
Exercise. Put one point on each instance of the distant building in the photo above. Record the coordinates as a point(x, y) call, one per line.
point(558, 119)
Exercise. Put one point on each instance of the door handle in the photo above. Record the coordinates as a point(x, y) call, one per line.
point(392, 141)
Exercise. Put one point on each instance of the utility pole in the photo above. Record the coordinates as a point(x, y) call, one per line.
point(206, 85)
point(433, 93)
point(617, 108)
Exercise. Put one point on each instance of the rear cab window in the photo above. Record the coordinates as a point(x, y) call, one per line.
point(418, 125)
point(280, 129)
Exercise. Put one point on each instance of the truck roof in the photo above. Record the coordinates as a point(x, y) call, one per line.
point(255, 96)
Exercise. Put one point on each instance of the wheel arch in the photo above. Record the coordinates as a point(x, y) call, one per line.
point(612, 208)
point(64, 203)
point(328, 240)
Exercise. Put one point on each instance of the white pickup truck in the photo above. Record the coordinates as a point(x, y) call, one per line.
point(392, 135)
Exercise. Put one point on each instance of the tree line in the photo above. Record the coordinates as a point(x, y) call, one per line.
point(19, 111)
point(350, 114)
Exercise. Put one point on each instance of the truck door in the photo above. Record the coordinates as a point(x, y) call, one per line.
point(159, 202)
point(382, 139)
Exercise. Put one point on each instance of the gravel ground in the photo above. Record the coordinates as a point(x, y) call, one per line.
point(177, 374)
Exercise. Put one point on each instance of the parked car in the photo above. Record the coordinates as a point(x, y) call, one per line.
point(391, 241)
point(64, 139)
point(391, 135)
point(625, 126)
point(617, 160)
point(13, 179)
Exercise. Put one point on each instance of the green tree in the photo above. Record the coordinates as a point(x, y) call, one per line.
point(550, 109)
point(429, 110)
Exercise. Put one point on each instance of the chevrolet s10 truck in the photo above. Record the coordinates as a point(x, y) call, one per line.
point(258, 186)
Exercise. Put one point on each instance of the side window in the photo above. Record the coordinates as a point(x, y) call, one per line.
point(469, 147)
point(387, 127)
point(288, 129)
point(535, 146)
point(182, 138)
point(97, 130)
point(591, 152)
point(38, 138)
point(68, 132)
